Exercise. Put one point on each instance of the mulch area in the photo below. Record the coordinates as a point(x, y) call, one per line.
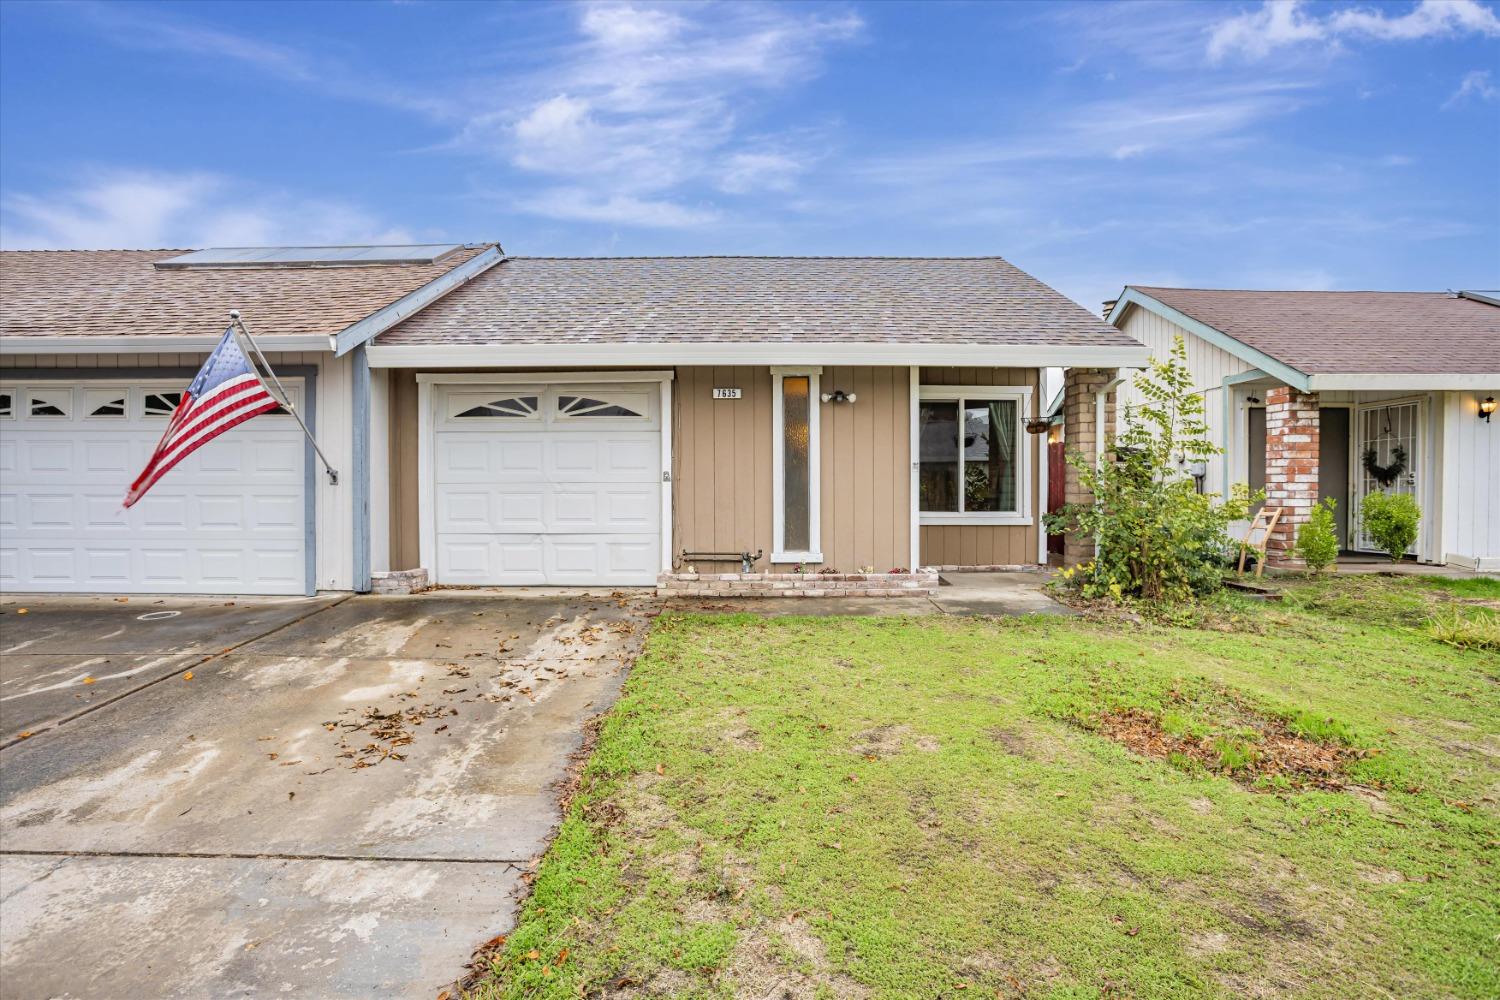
point(1277, 752)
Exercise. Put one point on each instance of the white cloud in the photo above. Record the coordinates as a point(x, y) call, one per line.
point(1281, 23)
point(652, 100)
point(122, 209)
point(1478, 85)
point(584, 205)
point(760, 171)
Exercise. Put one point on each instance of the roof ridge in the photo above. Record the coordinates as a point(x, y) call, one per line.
point(751, 256)
point(1297, 291)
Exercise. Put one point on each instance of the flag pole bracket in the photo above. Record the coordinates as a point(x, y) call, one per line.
point(284, 398)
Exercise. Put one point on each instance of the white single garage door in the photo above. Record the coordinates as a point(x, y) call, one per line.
point(547, 484)
point(229, 519)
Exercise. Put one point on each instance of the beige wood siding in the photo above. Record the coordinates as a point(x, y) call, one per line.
point(406, 552)
point(721, 469)
point(988, 544)
point(722, 460)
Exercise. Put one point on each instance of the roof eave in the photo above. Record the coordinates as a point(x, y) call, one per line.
point(148, 343)
point(1254, 357)
point(1403, 381)
point(761, 353)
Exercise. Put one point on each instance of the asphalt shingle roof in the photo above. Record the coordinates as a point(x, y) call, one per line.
point(1351, 333)
point(82, 293)
point(625, 300)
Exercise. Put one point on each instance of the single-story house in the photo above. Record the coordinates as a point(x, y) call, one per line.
point(1341, 394)
point(510, 420)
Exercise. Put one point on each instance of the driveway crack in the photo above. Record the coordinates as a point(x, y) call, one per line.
point(266, 856)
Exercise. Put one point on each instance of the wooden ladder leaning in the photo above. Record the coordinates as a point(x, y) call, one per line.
point(1264, 522)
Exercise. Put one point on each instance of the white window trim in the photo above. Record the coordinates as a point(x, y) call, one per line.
point(779, 553)
point(1021, 394)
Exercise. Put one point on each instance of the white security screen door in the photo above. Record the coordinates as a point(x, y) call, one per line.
point(547, 484)
point(229, 519)
point(1387, 432)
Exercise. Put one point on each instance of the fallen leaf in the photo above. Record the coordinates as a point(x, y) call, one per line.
point(661, 769)
point(533, 954)
point(188, 676)
point(89, 680)
point(123, 600)
point(23, 611)
point(25, 736)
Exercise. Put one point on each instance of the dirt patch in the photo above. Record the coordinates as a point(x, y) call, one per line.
point(1013, 742)
point(1253, 748)
point(880, 742)
point(744, 738)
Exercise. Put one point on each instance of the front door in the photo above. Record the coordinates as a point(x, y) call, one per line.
point(1386, 455)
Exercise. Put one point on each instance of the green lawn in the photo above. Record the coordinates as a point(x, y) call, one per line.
point(927, 807)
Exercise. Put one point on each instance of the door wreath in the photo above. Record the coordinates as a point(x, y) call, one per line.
point(1385, 475)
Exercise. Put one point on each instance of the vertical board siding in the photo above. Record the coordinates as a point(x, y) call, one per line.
point(1209, 365)
point(990, 544)
point(723, 458)
point(406, 550)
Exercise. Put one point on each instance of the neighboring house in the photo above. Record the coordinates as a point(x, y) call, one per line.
point(95, 349)
point(1339, 394)
point(530, 421)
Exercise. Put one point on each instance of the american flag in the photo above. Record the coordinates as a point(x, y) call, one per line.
point(227, 392)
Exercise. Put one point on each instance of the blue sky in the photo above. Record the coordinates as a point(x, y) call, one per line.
point(1227, 145)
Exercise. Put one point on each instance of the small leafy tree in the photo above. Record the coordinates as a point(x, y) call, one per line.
point(1317, 540)
point(1391, 519)
point(1158, 538)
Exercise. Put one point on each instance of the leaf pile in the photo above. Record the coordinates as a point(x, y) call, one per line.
point(1258, 749)
point(387, 732)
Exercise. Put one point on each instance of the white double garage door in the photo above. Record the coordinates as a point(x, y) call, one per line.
point(547, 484)
point(229, 519)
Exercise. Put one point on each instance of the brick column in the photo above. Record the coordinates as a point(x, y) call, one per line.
point(1291, 466)
point(1079, 430)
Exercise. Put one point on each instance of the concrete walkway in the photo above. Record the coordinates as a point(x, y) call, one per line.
point(342, 805)
point(1017, 593)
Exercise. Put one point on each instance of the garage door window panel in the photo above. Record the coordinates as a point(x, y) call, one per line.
point(105, 404)
point(7, 406)
point(591, 407)
point(520, 407)
point(160, 404)
point(50, 404)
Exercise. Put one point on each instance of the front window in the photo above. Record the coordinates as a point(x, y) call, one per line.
point(971, 456)
point(796, 510)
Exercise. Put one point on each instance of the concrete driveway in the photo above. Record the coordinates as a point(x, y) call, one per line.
point(341, 801)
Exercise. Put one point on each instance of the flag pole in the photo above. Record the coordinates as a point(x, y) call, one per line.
point(285, 400)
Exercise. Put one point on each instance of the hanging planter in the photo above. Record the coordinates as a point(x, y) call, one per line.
point(1385, 475)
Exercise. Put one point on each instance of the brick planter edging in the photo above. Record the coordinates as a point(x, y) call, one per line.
point(399, 581)
point(922, 583)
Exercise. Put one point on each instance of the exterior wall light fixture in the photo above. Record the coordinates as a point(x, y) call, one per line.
point(838, 396)
point(1486, 407)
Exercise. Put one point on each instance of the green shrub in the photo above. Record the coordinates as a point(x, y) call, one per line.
point(1391, 519)
point(1159, 539)
point(1317, 539)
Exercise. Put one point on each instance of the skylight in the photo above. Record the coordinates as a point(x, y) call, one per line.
point(348, 256)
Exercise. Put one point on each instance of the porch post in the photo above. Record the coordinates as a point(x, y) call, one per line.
point(1292, 431)
point(1080, 434)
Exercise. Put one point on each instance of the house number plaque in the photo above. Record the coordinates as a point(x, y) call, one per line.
point(726, 393)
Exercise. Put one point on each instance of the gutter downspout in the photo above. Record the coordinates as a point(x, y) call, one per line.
point(360, 416)
point(1225, 387)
